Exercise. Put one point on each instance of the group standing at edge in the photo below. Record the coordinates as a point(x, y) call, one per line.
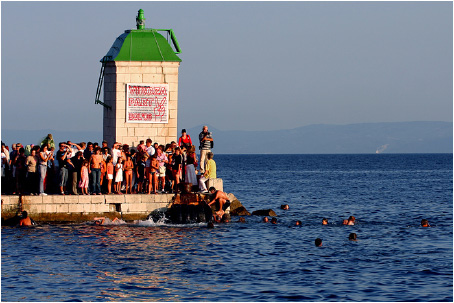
point(87, 168)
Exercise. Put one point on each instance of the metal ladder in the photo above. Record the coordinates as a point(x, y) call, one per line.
point(100, 81)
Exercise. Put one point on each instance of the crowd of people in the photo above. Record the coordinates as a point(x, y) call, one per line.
point(89, 168)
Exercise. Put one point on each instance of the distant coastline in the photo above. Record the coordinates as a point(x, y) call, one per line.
point(386, 137)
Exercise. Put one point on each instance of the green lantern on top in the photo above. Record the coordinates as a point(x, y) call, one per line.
point(140, 20)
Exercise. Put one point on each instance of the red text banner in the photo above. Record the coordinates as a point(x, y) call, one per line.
point(147, 103)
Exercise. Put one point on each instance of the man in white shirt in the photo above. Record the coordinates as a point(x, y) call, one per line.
point(150, 151)
point(74, 148)
point(116, 153)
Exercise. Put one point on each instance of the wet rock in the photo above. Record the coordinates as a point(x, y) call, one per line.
point(185, 214)
point(264, 212)
point(236, 208)
point(192, 208)
point(158, 215)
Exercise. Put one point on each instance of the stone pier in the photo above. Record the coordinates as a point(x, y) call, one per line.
point(80, 208)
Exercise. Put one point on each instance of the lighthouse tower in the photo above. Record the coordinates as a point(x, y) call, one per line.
point(140, 75)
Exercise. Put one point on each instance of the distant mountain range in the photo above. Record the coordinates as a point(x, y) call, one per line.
point(399, 137)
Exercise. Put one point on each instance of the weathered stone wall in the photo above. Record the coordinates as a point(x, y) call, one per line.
point(117, 75)
point(55, 208)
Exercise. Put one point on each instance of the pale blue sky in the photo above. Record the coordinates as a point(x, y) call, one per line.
point(246, 65)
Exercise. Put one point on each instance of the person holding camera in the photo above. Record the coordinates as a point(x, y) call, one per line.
point(63, 154)
point(206, 144)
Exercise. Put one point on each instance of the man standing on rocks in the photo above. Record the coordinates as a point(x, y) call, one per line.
point(222, 198)
point(206, 143)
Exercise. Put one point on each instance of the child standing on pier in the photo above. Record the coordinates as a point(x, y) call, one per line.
point(83, 183)
point(118, 175)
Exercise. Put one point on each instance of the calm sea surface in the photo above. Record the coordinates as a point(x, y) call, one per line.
point(394, 258)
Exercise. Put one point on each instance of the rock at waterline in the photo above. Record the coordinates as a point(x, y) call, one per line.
point(264, 212)
point(193, 208)
point(236, 208)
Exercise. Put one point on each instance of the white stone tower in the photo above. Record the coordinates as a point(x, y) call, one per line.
point(140, 74)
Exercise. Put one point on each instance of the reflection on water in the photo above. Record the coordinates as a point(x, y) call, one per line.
point(135, 260)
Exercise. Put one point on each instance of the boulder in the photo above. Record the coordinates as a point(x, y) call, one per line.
point(264, 212)
point(191, 208)
point(236, 208)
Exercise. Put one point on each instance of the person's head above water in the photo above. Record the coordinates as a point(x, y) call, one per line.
point(352, 237)
point(284, 206)
point(425, 223)
point(350, 221)
point(265, 220)
point(225, 218)
point(298, 223)
point(318, 242)
point(273, 220)
point(325, 221)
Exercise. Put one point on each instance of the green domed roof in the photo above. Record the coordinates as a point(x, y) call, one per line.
point(143, 45)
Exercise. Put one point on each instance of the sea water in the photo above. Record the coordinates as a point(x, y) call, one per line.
point(394, 259)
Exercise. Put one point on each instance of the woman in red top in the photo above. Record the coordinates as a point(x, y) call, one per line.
point(185, 139)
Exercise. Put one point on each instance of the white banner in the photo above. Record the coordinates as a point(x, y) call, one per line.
point(147, 103)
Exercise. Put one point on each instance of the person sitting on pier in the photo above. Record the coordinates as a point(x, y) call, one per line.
point(220, 197)
point(210, 172)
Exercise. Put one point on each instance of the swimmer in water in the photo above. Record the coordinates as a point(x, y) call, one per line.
point(352, 237)
point(318, 242)
point(25, 221)
point(273, 221)
point(324, 221)
point(102, 220)
point(298, 223)
point(225, 218)
point(350, 221)
point(425, 223)
point(284, 206)
point(265, 220)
